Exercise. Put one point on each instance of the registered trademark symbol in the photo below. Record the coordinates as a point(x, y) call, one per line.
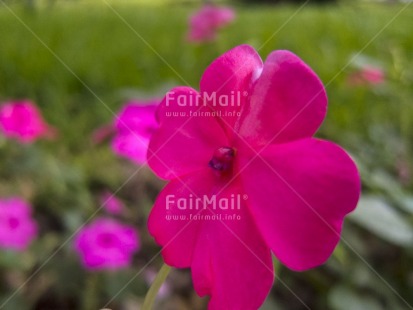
point(245, 93)
point(245, 196)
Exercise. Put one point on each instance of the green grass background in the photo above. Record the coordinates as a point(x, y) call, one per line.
point(136, 47)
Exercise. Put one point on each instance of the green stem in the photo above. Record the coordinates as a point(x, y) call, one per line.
point(91, 291)
point(156, 285)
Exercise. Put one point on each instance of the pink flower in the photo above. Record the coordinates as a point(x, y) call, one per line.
point(367, 75)
point(107, 244)
point(246, 177)
point(111, 203)
point(102, 133)
point(17, 227)
point(22, 120)
point(204, 23)
point(134, 127)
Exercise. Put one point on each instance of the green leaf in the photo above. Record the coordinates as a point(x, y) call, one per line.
point(271, 304)
point(343, 298)
point(376, 215)
point(406, 202)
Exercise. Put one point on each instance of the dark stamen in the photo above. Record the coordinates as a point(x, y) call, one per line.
point(222, 159)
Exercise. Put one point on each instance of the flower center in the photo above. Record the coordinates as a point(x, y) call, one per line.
point(222, 159)
point(13, 223)
point(106, 240)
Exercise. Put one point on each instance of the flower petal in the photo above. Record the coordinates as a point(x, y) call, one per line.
point(23, 120)
point(299, 193)
point(131, 145)
point(227, 255)
point(171, 225)
point(138, 117)
point(288, 102)
point(187, 136)
point(228, 80)
point(231, 262)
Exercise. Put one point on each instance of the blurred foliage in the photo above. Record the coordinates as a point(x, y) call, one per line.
point(287, 1)
point(80, 60)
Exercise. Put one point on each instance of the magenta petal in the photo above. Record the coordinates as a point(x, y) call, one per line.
point(106, 244)
point(131, 145)
point(186, 138)
point(223, 16)
point(205, 22)
point(172, 227)
point(138, 117)
point(288, 102)
point(17, 227)
point(133, 128)
point(228, 257)
point(228, 80)
point(299, 197)
point(231, 262)
point(23, 121)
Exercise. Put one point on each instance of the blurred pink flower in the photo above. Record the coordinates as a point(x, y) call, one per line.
point(248, 178)
point(367, 75)
point(17, 227)
point(204, 23)
point(107, 244)
point(111, 203)
point(102, 133)
point(134, 127)
point(23, 121)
